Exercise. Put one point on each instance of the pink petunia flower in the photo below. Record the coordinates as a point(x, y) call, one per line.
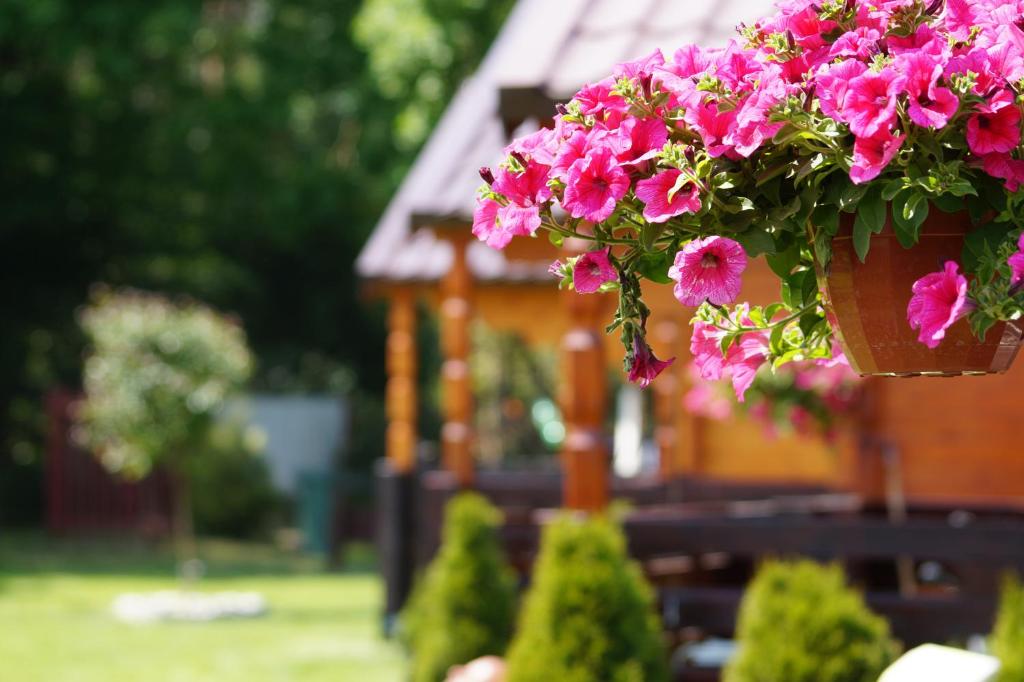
point(485, 224)
point(996, 129)
point(708, 269)
point(861, 43)
point(872, 154)
point(592, 270)
point(870, 103)
point(833, 82)
point(593, 186)
point(706, 350)
point(598, 97)
point(1006, 168)
point(939, 299)
point(1016, 262)
point(644, 367)
point(751, 352)
point(930, 105)
point(661, 204)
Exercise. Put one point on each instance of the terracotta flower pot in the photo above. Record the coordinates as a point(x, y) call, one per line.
point(867, 304)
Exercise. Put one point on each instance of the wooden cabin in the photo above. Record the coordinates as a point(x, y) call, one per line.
point(936, 443)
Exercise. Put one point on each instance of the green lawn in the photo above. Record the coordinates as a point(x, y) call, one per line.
point(55, 622)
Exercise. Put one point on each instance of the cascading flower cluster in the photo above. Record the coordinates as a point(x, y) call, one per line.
point(679, 169)
point(806, 398)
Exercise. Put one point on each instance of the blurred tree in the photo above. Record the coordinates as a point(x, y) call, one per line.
point(235, 150)
point(156, 376)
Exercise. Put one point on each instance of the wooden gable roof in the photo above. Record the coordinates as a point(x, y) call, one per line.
point(543, 54)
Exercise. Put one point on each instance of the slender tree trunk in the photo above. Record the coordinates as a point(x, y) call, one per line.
point(183, 529)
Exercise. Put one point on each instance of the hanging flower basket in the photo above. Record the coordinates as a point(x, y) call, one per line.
point(870, 150)
point(866, 305)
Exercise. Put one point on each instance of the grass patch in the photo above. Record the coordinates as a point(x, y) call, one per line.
point(57, 627)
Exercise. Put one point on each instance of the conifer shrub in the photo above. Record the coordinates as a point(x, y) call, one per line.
point(1008, 637)
point(799, 622)
point(588, 616)
point(464, 606)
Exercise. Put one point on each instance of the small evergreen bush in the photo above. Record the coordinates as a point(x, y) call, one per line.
point(799, 622)
point(1008, 637)
point(588, 616)
point(464, 607)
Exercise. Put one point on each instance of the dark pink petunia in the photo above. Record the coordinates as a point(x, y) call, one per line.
point(832, 83)
point(1016, 263)
point(930, 105)
point(861, 43)
point(872, 154)
point(594, 184)
point(526, 188)
point(870, 103)
point(712, 125)
point(644, 367)
point(939, 299)
point(592, 271)
point(996, 129)
point(598, 97)
point(647, 137)
point(708, 269)
point(664, 200)
point(1006, 168)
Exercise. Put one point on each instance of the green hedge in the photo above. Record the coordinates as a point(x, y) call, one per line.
point(1008, 637)
point(799, 622)
point(464, 607)
point(589, 614)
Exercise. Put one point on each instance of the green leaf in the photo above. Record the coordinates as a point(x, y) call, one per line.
point(756, 241)
point(556, 238)
point(983, 241)
point(782, 263)
point(980, 324)
point(649, 234)
point(871, 210)
point(654, 266)
point(948, 203)
point(892, 188)
point(909, 210)
point(850, 196)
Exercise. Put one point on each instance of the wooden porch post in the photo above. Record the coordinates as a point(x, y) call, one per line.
point(401, 386)
point(583, 396)
point(457, 401)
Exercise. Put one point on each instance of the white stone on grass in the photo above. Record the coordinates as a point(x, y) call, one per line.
point(941, 664)
point(177, 605)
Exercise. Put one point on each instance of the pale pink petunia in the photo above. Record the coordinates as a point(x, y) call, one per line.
point(872, 154)
point(752, 125)
point(644, 367)
point(594, 184)
point(660, 206)
point(739, 364)
point(870, 103)
point(708, 269)
point(939, 299)
point(996, 129)
point(1016, 263)
point(592, 271)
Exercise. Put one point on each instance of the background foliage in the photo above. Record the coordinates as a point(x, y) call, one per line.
point(464, 606)
point(238, 151)
point(1008, 637)
point(589, 615)
point(799, 622)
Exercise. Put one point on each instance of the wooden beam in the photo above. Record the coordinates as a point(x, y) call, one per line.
point(401, 399)
point(583, 396)
point(457, 401)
